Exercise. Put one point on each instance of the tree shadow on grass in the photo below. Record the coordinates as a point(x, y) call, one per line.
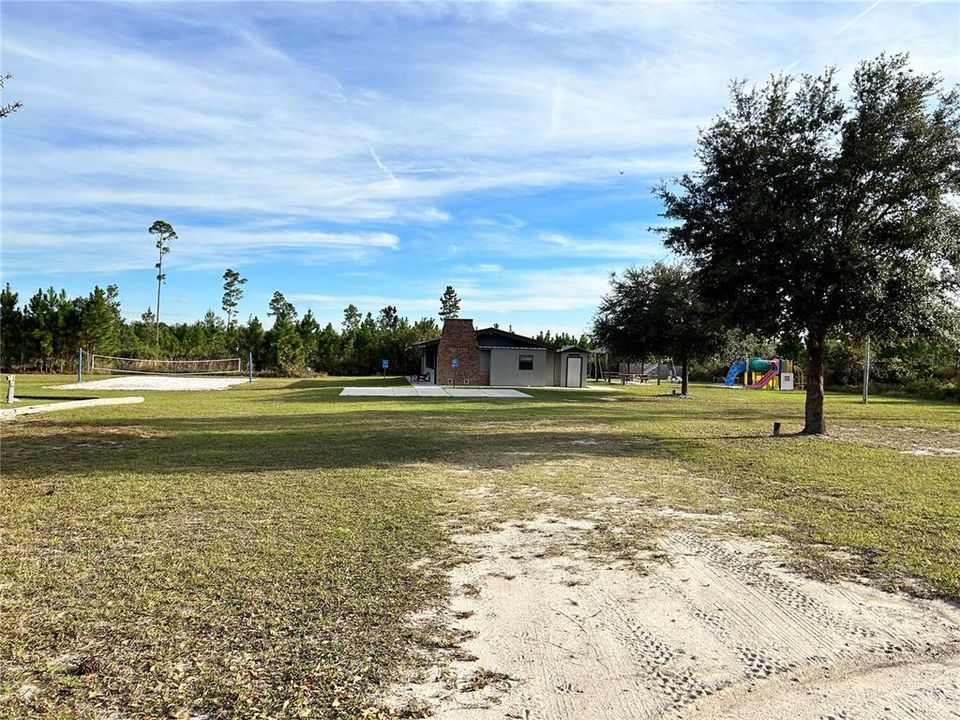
point(231, 444)
point(56, 397)
point(342, 382)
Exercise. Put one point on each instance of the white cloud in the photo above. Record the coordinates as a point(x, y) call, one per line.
point(323, 133)
point(196, 248)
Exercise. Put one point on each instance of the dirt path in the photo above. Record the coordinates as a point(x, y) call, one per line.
point(717, 629)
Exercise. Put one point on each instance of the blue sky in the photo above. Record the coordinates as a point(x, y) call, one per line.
point(375, 152)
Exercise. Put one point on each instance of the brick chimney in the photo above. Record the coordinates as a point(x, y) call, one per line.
point(459, 340)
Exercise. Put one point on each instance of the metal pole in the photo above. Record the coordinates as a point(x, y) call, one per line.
point(80, 365)
point(866, 372)
point(250, 366)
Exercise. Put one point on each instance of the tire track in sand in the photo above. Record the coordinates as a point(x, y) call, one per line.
point(720, 628)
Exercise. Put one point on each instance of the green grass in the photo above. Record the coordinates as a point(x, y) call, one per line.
point(256, 552)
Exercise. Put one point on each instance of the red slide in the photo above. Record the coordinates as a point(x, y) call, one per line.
point(768, 376)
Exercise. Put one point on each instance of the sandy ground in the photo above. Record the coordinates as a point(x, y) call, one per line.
point(156, 382)
point(718, 628)
point(943, 442)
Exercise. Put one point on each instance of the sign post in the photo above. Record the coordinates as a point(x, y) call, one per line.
point(80, 365)
point(866, 372)
point(455, 363)
point(384, 364)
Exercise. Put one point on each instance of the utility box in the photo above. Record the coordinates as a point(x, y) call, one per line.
point(786, 381)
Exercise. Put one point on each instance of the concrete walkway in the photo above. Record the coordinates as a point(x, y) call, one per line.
point(431, 391)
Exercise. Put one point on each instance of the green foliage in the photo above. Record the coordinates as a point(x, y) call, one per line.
point(816, 215)
point(11, 328)
point(561, 339)
point(281, 310)
point(657, 311)
point(99, 325)
point(164, 233)
point(232, 293)
point(449, 304)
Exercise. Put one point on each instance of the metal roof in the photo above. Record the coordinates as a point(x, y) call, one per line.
point(523, 342)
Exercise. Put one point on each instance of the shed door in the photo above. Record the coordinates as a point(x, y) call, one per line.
point(574, 370)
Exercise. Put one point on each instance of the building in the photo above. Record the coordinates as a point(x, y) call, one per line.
point(491, 356)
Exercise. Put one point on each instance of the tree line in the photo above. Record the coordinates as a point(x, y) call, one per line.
point(44, 334)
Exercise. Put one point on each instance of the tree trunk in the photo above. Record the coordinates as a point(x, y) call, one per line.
point(813, 410)
point(685, 379)
point(159, 283)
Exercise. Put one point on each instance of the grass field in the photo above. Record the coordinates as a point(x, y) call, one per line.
point(256, 552)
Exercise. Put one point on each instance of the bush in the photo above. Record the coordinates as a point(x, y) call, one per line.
point(930, 388)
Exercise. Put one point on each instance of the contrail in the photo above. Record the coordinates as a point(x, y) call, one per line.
point(851, 22)
point(376, 159)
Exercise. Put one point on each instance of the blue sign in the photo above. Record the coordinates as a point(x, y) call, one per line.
point(455, 362)
point(384, 364)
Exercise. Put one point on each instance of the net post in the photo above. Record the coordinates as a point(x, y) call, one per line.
point(79, 365)
point(250, 366)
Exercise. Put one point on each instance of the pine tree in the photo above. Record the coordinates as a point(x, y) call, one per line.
point(449, 304)
point(164, 233)
point(11, 327)
point(232, 293)
point(98, 324)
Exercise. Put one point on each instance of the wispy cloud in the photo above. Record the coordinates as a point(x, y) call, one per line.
point(556, 110)
point(419, 139)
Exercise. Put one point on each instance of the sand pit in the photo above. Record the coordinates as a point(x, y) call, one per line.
point(156, 382)
point(717, 629)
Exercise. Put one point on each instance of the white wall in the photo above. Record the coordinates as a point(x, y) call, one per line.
point(505, 367)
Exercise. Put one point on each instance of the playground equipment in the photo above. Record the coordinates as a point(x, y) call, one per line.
point(758, 374)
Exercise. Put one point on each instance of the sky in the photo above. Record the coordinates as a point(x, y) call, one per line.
point(373, 153)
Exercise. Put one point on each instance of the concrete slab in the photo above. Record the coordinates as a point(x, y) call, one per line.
point(368, 391)
point(431, 391)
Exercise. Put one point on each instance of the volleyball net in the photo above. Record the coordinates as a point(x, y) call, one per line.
point(110, 364)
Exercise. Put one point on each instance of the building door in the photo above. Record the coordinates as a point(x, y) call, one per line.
point(574, 371)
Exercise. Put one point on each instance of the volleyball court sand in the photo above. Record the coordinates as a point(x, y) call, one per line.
point(717, 628)
point(156, 382)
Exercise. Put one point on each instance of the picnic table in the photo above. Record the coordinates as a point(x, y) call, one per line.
point(629, 377)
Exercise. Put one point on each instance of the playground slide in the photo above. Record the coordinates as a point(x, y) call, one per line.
point(736, 369)
point(768, 376)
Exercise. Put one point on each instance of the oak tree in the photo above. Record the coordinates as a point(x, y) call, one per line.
point(816, 214)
